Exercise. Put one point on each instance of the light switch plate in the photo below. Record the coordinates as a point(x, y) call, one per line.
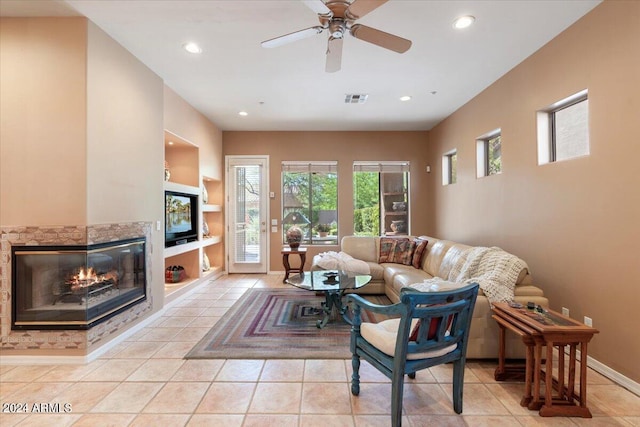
point(274, 222)
point(274, 229)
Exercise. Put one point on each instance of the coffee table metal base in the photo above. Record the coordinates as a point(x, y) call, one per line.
point(333, 301)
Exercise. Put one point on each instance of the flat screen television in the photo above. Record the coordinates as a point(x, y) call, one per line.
point(180, 218)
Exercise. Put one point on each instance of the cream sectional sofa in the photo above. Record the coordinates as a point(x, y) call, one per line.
point(440, 257)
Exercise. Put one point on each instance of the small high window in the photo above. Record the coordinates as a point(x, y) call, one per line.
point(450, 167)
point(563, 129)
point(489, 154)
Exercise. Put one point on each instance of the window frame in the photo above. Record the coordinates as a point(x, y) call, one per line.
point(448, 166)
point(483, 160)
point(547, 125)
point(311, 168)
point(382, 167)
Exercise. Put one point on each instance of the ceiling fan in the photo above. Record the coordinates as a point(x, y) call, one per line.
point(338, 17)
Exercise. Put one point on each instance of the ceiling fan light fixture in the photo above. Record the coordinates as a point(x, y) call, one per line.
point(192, 47)
point(463, 22)
point(243, 113)
point(405, 98)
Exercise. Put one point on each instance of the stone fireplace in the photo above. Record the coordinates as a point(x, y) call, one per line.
point(66, 289)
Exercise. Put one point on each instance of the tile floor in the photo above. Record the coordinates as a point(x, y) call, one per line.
point(144, 381)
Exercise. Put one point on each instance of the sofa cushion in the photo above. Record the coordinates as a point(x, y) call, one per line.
point(435, 255)
point(450, 258)
point(383, 336)
point(376, 271)
point(361, 247)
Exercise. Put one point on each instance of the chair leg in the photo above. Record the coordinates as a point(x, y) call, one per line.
point(355, 377)
point(397, 389)
point(458, 384)
point(412, 375)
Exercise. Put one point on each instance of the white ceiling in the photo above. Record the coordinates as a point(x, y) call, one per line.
point(286, 88)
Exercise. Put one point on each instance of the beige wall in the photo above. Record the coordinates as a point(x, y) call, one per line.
point(185, 121)
point(576, 222)
point(345, 147)
point(43, 125)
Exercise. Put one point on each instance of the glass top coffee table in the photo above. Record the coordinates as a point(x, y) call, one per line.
point(333, 283)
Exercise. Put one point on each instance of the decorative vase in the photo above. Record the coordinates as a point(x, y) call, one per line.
point(294, 237)
point(323, 233)
point(399, 226)
point(399, 206)
point(205, 195)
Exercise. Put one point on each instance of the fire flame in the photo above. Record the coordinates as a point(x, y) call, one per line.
point(89, 275)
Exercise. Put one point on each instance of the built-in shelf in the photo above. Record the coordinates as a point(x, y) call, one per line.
point(211, 208)
point(181, 188)
point(185, 166)
point(181, 249)
point(212, 240)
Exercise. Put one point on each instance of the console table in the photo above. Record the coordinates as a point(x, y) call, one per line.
point(301, 252)
point(539, 327)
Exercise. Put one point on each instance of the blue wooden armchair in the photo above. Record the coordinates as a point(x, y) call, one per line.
point(428, 329)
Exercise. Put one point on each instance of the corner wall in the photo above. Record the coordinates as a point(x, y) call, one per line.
point(576, 222)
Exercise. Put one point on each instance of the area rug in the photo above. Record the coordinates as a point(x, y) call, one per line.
point(278, 324)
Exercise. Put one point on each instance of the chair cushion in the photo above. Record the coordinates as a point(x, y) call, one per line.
point(383, 336)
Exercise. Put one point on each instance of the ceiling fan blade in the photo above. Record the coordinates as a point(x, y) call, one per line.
point(292, 37)
point(380, 38)
point(334, 55)
point(359, 8)
point(318, 7)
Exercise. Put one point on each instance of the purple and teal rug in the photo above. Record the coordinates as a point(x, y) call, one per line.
point(278, 324)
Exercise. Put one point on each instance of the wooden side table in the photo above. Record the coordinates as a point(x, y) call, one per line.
point(302, 252)
point(553, 330)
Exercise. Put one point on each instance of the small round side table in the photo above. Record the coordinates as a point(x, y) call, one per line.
point(286, 251)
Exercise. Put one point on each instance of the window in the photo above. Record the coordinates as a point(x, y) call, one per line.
point(489, 154)
point(310, 201)
point(563, 129)
point(450, 167)
point(380, 198)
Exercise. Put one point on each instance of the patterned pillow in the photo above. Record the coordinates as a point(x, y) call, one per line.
point(418, 253)
point(387, 248)
point(403, 252)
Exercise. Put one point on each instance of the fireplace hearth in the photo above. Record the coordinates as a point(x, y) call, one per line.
point(76, 287)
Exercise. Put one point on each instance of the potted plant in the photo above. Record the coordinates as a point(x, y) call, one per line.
point(323, 229)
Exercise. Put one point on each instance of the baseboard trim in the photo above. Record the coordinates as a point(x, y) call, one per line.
point(614, 376)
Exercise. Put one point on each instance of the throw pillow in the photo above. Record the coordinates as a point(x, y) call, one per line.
point(387, 248)
point(403, 252)
point(418, 253)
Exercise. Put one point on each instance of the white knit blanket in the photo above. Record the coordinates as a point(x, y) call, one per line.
point(495, 270)
point(342, 261)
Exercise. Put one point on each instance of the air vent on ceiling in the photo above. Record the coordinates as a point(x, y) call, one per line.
point(355, 98)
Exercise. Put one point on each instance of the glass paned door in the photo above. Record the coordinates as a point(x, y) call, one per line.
point(246, 178)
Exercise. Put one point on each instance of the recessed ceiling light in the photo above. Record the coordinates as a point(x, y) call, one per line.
point(170, 142)
point(463, 22)
point(192, 48)
point(405, 98)
point(243, 113)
